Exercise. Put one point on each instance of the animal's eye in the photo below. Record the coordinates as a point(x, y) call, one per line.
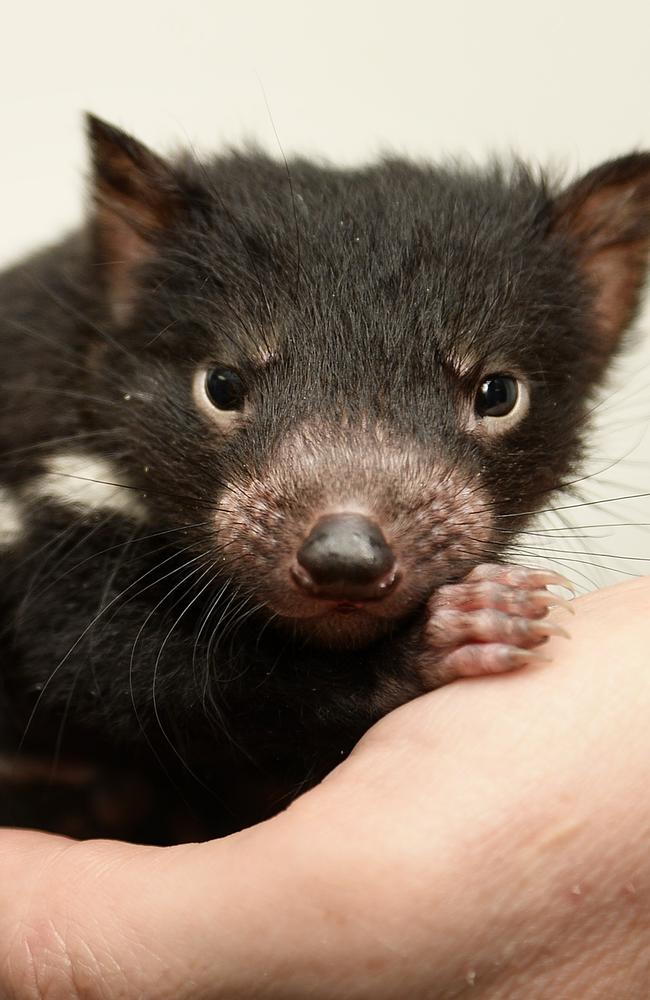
point(225, 388)
point(497, 396)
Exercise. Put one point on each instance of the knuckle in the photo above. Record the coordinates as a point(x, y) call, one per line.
point(491, 619)
point(493, 592)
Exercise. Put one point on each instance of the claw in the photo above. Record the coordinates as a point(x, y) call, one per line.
point(493, 621)
point(556, 580)
point(543, 578)
point(547, 628)
point(559, 602)
point(521, 576)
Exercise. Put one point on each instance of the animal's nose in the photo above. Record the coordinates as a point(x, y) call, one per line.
point(345, 557)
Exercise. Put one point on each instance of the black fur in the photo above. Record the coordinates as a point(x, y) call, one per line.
point(362, 308)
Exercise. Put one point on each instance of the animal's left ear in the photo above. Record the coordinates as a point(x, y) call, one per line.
point(606, 218)
point(136, 201)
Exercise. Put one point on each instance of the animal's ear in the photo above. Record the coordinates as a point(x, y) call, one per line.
point(606, 217)
point(136, 198)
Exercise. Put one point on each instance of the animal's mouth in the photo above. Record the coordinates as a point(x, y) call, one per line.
point(310, 607)
point(348, 608)
point(344, 620)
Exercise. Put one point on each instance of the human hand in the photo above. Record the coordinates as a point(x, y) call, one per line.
point(489, 839)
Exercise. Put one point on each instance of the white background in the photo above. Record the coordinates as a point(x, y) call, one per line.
point(560, 82)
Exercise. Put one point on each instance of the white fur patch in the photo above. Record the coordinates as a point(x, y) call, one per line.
point(12, 527)
point(88, 483)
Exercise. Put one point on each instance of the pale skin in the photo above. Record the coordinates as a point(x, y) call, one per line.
point(488, 840)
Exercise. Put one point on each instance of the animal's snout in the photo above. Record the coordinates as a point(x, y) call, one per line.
point(345, 557)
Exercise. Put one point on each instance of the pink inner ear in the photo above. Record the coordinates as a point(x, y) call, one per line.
point(124, 250)
point(616, 274)
point(606, 217)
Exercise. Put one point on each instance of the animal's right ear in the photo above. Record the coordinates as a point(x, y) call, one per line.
point(605, 217)
point(137, 199)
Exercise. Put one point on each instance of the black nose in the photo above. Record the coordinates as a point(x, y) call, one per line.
point(346, 557)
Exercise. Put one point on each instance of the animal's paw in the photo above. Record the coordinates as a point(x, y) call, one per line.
point(490, 622)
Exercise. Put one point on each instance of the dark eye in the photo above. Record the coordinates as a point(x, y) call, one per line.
point(225, 389)
point(497, 396)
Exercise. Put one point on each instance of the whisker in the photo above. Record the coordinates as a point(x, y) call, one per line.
point(64, 439)
point(70, 308)
point(66, 709)
point(574, 506)
point(79, 639)
point(156, 711)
